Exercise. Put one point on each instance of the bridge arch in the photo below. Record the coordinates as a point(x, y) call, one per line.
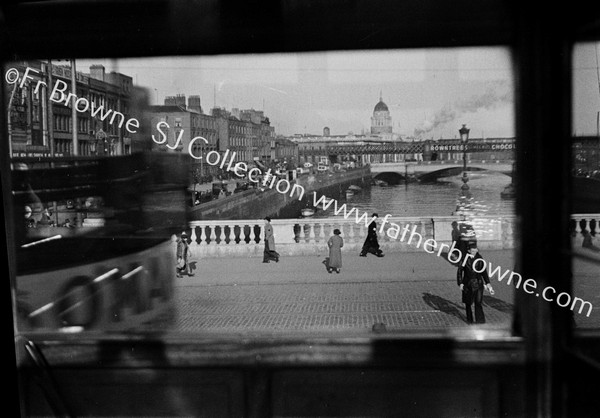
point(433, 176)
point(391, 177)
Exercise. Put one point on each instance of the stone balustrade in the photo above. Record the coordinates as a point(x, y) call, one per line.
point(308, 236)
point(585, 222)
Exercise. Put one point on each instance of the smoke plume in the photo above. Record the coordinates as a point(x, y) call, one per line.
point(488, 100)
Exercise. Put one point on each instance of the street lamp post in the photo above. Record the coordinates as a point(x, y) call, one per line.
point(464, 138)
point(465, 194)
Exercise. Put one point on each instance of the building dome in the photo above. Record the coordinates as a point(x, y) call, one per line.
point(381, 121)
point(381, 107)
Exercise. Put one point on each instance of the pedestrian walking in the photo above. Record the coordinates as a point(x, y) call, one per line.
point(371, 244)
point(269, 252)
point(335, 244)
point(183, 254)
point(472, 282)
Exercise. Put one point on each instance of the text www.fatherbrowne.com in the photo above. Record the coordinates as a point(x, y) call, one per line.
point(454, 255)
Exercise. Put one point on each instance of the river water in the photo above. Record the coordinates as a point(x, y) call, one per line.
point(426, 200)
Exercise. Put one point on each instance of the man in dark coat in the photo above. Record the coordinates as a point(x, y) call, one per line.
point(371, 244)
point(472, 278)
point(183, 253)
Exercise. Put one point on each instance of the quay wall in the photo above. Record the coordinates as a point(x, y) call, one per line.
point(256, 203)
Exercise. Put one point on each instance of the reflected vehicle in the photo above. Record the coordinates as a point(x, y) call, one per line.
point(223, 188)
point(241, 186)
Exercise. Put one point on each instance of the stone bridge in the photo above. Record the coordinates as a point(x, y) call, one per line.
point(426, 171)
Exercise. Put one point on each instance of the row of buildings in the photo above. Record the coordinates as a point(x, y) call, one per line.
point(39, 126)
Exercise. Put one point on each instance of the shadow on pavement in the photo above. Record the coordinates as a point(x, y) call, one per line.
point(326, 262)
point(444, 305)
point(498, 304)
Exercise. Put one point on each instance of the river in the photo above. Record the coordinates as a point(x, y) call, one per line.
point(437, 199)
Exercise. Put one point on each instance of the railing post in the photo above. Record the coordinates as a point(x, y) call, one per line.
point(211, 237)
point(311, 235)
point(193, 235)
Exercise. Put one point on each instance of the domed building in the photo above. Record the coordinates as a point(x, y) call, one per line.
point(381, 121)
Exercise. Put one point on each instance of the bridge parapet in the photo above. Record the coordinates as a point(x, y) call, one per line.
point(308, 236)
point(502, 166)
point(582, 223)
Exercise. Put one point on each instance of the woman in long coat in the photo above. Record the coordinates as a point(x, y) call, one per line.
point(335, 244)
point(371, 244)
point(269, 252)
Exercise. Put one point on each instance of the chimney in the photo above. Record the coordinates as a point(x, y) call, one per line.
point(194, 103)
point(97, 71)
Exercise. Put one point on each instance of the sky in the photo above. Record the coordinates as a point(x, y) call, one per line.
point(586, 88)
point(430, 93)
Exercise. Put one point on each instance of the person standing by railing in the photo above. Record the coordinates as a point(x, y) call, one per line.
point(269, 252)
point(335, 244)
point(183, 253)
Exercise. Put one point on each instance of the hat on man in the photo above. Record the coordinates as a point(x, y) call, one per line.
point(184, 234)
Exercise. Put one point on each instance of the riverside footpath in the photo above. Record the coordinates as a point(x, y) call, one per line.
point(403, 291)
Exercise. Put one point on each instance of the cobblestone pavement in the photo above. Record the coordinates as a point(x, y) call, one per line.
point(402, 290)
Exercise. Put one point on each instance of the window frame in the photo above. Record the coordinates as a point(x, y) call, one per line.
point(542, 48)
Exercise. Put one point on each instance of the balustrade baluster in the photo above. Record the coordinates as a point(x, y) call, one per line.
point(211, 236)
point(193, 236)
point(236, 234)
point(311, 233)
point(351, 235)
point(259, 235)
point(593, 226)
point(246, 234)
point(579, 226)
point(322, 236)
point(226, 234)
point(297, 232)
point(361, 232)
point(205, 234)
